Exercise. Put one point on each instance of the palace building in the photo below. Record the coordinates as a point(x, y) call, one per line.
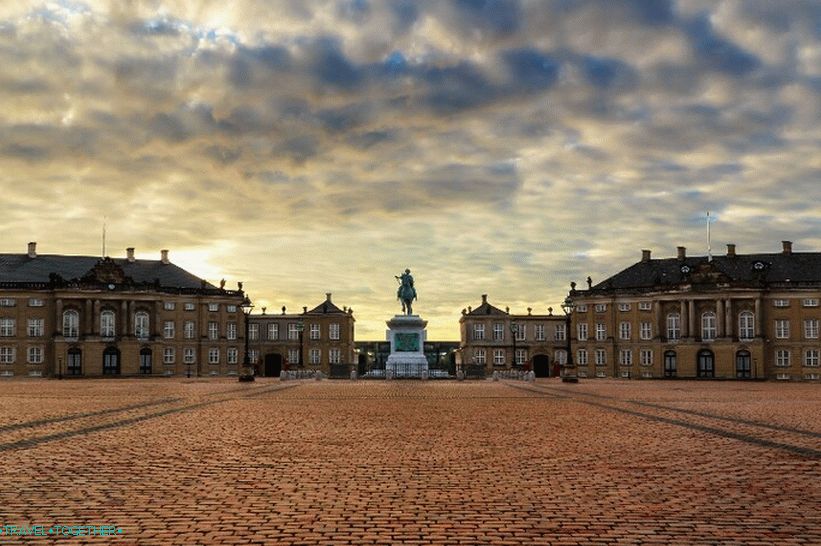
point(90, 316)
point(736, 316)
point(497, 340)
point(316, 339)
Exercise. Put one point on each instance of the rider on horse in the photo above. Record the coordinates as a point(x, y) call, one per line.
point(406, 292)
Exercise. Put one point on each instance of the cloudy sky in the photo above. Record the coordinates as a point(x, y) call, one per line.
point(492, 146)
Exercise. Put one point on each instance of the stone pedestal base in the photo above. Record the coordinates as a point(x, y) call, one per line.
point(407, 337)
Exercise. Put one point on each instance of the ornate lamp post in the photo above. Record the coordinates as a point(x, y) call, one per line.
point(514, 331)
point(569, 375)
point(247, 371)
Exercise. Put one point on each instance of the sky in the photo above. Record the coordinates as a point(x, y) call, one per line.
point(500, 147)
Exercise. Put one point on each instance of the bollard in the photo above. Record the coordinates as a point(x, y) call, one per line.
point(460, 375)
point(283, 375)
point(353, 375)
point(496, 376)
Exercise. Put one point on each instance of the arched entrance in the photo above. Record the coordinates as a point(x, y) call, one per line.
point(273, 364)
point(75, 362)
point(111, 361)
point(541, 366)
point(706, 363)
point(145, 361)
point(743, 365)
point(670, 364)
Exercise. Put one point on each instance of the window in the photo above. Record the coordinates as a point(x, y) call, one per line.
point(188, 355)
point(706, 363)
point(581, 357)
point(498, 331)
point(624, 330)
point(7, 327)
point(213, 307)
point(581, 308)
point(231, 308)
point(498, 357)
point(811, 358)
point(214, 330)
point(521, 332)
point(334, 356)
point(624, 307)
point(626, 357)
point(273, 331)
point(645, 306)
point(782, 329)
point(521, 356)
point(601, 357)
point(213, 355)
point(169, 355)
point(231, 330)
point(646, 330)
point(253, 356)
point(293, 356)
point(478, 332)
point(782, 376)
point(111, 361)
point(781, 303)
point(601, 307)
point(746, 325)
point(646, 357)
point(169, 305)
point(314, 356)
point(253, 332)
point(293, 330)
point(333, 331)
point(560, 332)
point(708, 326)
point(581, 331)
point(811, 329)
point(168, 329)
point(673, 326)
point(36, 327)
point(314, 331)
point(36, 302)
point(670, 364)
point(145, 361)
point(538, 331)
point(560, 357)
point(188, 306)
point(189, 329)
point(71, 324)
point(141, 324)
point(74, 364)
point(7, 355)
point(479, 356)
point(108, 324)
point(35, 355)
point(809, 302)
point(601, 331)
point(782, 358)
point(7, 302)
point(232, 355)
point(743, 365)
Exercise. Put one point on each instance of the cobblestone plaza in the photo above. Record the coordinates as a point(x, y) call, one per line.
point(180, 461)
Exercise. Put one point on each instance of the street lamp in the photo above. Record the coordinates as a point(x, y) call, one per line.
point(300, 327)
point(247, 371)
point(514, 330)
point(569, 375)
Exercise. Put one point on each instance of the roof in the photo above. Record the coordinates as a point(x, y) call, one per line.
point(741, 269)
point(486, 309)
point(20, 268)
point(326, 307)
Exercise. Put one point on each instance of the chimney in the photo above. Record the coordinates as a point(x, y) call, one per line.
point(129, 253)
point(731, 250)
point(484, 298)
point(682, 252)
point(32, 250)
point(328, 297)
point(645, 255)
point(304, 309)
point(786, 245)
point(164, 256)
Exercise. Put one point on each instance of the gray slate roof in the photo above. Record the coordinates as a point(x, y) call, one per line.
point(798, 267)
point(21, 268)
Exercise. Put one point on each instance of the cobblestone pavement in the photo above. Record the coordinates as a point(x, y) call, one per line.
point(478, 462)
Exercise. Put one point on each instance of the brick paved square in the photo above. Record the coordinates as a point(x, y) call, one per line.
point(337, 462)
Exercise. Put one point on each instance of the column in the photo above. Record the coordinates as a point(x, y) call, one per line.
point(155, 328)
point(89, 319)
point(760, 330)
point(96, 327)
point(719, 318)
point(58, 323)
point(685, 330)
point(691, 317)
point(728, 318)
point(130, 318)
point(656, 319)
point(124, 318)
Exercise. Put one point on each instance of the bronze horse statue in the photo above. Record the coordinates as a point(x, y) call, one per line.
point(406, 292)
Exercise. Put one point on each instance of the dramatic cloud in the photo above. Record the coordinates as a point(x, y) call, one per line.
point(493, 146)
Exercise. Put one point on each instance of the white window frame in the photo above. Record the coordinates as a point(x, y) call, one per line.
point(809, 302)
point(581, 357)
point(231, 330)
point(746, 325)
point(560, 356)
point(521, 357)
point(498, 332)
point(142, 325)
point(334, 331)
point(169, 329)
point(189, 306)
point(35, 354)
point(600, 356)
point(232, 355)
point(293, 356)
point(169, 305)
point(8, 302)
point(8, 355)
point(213, 307)
point(673, 326)
point(480, 356)
point(560, 332)
point(646, 357)
point(810, 328)
point(315, 332)
point(645, 306)
point(581, 308)
point(521, 332)
point(781, 303)
point(646, 331)
point(36, 327)
point(189, 329)
point(600, 307)
point(581, 331)
point(334, 356)
point(273, 331)
point(626, 357)
point(37, 302)
point(214, 330)
point(782, 358)
point(293, 330)
point(71, 324)
point(108, 324)
point(253, 332)
point(189, 355)
point(782, 329)
point(231, 308)
point(478, 332)
point(499, 357)
point(538, 331)
point(812, 358)
point(601, 331)
point(709, 326)
point(314, 356)
point(213, 355)
point(625, 330)
point(624, 307)
point(169, 355)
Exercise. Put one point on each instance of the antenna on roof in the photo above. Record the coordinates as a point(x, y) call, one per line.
point(709, 241)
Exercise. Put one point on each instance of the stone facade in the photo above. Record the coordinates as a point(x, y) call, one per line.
point(498, 340)
point(87, 316)
point(316, 339)
point(735, 316)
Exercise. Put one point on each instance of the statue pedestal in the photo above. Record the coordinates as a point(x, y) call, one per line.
point(407, 336)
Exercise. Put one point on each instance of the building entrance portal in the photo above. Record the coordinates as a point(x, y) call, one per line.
point(273, 364)
point(541, 365)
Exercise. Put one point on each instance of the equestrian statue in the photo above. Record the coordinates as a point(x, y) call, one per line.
point(406, 292)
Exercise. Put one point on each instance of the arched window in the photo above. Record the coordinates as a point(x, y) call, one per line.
point(75, 362)
point(708, 326)
point(743, 365)
point(111, 361)
point(706, 363)
point(670, 364)
point(673, 326)
point(141, 324)
point(107, 324)
point(746, 325)
point(71, 323)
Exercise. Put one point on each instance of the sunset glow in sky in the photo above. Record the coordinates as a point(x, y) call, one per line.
point(493, 146)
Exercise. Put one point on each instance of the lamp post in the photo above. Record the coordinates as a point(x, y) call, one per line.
point(300, 327)
point(247, 371)
point(569, 375)
point(514, 331)
point(60, 370)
